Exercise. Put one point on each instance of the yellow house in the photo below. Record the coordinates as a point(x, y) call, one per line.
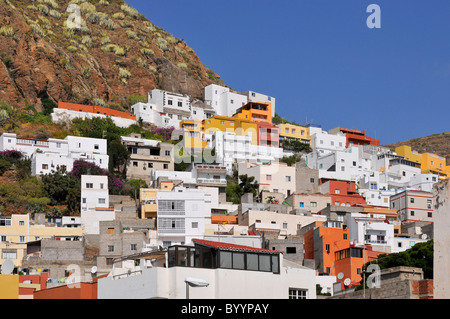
point(193, 134)
point(290, 132)
point(430, 163)
point(149, 206)
point(239, 126)
point(408, 153)
point(18, 229)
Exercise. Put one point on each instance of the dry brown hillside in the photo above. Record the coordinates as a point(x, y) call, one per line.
point(437, 143)
point(117, 52)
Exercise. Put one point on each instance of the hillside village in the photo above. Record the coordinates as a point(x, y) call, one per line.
point(231, 192)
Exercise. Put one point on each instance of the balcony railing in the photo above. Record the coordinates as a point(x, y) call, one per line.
point(211, 181)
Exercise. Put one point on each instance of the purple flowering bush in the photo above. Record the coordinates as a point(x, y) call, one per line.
point(80, 167)
point(12, 154)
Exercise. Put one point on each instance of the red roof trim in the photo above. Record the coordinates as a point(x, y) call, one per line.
point(227, 246)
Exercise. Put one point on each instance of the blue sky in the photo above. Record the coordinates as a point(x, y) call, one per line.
point(322, 63)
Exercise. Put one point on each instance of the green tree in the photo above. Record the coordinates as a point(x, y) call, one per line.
point(118, 157)
point(249, 184)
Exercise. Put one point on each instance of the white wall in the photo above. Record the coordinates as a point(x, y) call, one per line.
point(62, 115)
point(169, 283)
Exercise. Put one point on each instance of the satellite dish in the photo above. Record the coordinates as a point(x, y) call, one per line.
point(347, 282)
point(340, 275)
point(94, 270)
point(8, 267)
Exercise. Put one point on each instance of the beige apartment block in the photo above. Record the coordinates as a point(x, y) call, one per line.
point(147, 156)
point(313, 203)
point(274, 177)
point(413, 206)
point(285, 224)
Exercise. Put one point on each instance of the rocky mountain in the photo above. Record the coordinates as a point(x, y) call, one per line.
point(438, 144)
point(92, 52)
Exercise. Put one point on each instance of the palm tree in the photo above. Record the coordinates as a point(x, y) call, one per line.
point(249, 185)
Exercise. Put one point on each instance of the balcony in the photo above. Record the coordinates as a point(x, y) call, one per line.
point(221, 182)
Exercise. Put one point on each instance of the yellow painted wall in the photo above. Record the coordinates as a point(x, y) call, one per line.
point(408, 154)
point(20, 227)
point(193, 141)
point(231, 124)
point(294, 131)
point(9, 286)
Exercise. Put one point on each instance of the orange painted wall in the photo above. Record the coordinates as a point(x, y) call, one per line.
point(95, 110)
point(335, 238)
point(218, 219)
point(35, 279)
point(85, 291)
point(349, 267)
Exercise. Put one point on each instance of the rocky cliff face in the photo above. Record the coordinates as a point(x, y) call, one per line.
point(109, 54)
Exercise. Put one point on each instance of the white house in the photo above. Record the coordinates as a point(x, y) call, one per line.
point(182, 215)
point(94, 203)
point(47, 155)
point(374, 231)
point(223, 101)
point(227, 271)
point(231, 148)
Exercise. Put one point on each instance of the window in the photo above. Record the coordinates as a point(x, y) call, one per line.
point(170, 102)
point(285, 225)
point(96, 147)
point(135, 164)
point(291, 250)
point(180, 104)
point(231, 101)
point(9, 254)
point(288, 178)
point(327, 247)
point(21, 223)
point(429, 203)
point(2, 240)
point(111, 231)
point(84, 200)
point(313, 204)
point(411, 200)
point(194, 224)
point(150, 165)
point(337, 191)
point(430, 215)
point(222, 122)
point(295, 293)
point(109, 261)
point(44, 166)
point(89, 185)
point(412, 213)
point(275, 190)
point(311, 180)
point(22, 239)
point(134, 150)
point(345, 236)
point(110, 248)
point(399, 244)
point(268, 177)
point(102, 201)
point(167, 153)
point(133, 247)
point(166, 166)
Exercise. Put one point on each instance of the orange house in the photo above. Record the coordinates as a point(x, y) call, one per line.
point(95, 110)
point(322, 242)
point(256, 112)
point(356, 137)
point(349, 263)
